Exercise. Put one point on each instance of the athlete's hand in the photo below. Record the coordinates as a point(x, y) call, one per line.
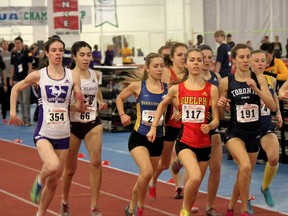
point(103, 106)
point(286, 94)
point(15, 120)
point(252, 84)
point(279, 122)
point(205, 128)
point(175, 116)
point(125, 119)
point(222, 102)
point(151, 135)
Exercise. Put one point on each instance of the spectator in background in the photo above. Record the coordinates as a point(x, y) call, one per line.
point(277, 46)
point(139, 52)
point(229, 40)
point(35, 56)
point(3, 91)
point(190, 44)
point(275, 67)
point(223, 59)
point(287, 48)
point(126, 54)
point(96, 57)
point(199, 41)
point(34, 88)
point(6, 56)
point(11, 47)
point(67, 57)
point(21, 59)
point(265, 39)
point(109, 56)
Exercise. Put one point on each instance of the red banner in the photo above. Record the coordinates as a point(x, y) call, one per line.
point(65, 5)
point(66, 17)
point(71, 22)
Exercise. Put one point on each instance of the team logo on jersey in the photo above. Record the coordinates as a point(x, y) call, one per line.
point(56, 94)
point(89, 99)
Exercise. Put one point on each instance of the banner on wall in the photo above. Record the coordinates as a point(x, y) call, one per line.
point(35, 15)
point(66, 17)
point(23, 16)
point(105, 12)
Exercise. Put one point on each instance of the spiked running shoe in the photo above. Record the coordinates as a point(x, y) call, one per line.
point(184, 212)
point(64, 209)
point(250, 209)
point(127, 213)
point(268, 197)
point(140, 211)
point(194, 210)
point(176, 166)
point(152, 192)
point(229, 212)
point(95, 212)
point(178, 193)
point(36, 191)
point(212, 212)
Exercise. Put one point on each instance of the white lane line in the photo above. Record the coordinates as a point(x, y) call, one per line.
point(80, 185)
point(25, 201)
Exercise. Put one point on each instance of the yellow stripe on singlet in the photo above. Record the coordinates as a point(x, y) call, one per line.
point(138, 117)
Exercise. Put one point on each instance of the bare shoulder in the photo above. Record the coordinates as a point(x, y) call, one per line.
point(218, 77)
point(166, 75)
point(224, 81)
point(135, 85)
point(33, 77)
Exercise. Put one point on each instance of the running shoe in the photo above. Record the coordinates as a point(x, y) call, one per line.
point(212, 212)
point(194, 210)
point(140, 211)
point(64, 209)
point(250, 209)
point(152, 192)
point(36, 191)
point(95, 212)
point(184, 212)
point(229, 212)
point(268, 197)
point(178, 193)
point(5, 121)
point(127, 213)
point(176, 166)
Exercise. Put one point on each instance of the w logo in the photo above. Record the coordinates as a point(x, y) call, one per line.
point(56, 94)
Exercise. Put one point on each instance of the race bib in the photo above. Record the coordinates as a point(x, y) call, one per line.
point(57, 116)
point(247, 113)
point(192, 113)
point(87, 116)
point(148, 117)
point(265, 111)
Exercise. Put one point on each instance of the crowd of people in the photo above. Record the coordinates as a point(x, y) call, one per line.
point(180, 102)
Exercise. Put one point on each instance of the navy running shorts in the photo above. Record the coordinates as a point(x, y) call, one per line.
point(136, 139)
point(250, 138)
point(58, 144)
